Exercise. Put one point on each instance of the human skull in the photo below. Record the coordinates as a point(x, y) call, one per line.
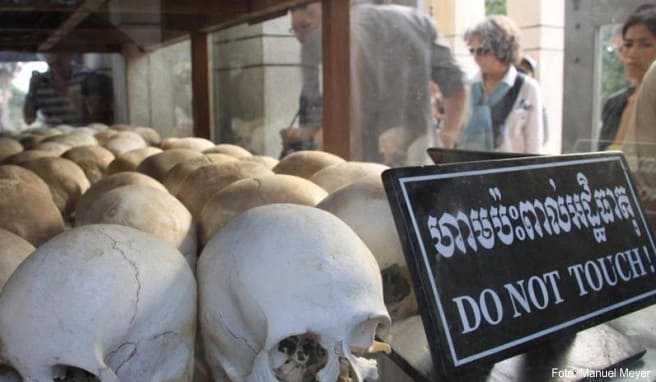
point(208, 180)
point(417, 154)
point(28, 211)
point(306, 163)
point(228, 149)
point(33, 136)
point(265, 160)
point(104, 136)
point(288, 293)
point(74, 139)
point(64, 128)
point(13, 250)
point(109, 300)
point(176, 176)
point(131, 160)
point(9, 147)
point(28, 141)
point(146, 209)
point(245, 194)
point(125, 141)
point(393, 144)
point(121, 127)
point(10, 171)
point(218, 158)
point(358, 205)
point(150, 135)
point(115, 181)
point(98, 127)
point(28, 155)
point(66, 180)
point(93, 160)
point(57, 148)
point(338, 175)
point(44, 131)
point(86, 130)
point(158, 165)
point(188, 143)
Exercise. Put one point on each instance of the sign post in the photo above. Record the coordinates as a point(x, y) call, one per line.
point(511, 253)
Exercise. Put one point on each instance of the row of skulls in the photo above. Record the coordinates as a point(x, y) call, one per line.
point(144, 259)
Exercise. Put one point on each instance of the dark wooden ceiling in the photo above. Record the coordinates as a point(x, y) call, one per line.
point(110, 25)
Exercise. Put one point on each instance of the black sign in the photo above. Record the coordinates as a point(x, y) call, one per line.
point(508, 253)
point(444, 156)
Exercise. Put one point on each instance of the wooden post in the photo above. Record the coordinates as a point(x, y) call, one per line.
point(201, 85)
point(336, 77)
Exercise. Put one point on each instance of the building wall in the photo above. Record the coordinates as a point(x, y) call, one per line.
point(257, 83)
point(453, 18)
point(543, 28)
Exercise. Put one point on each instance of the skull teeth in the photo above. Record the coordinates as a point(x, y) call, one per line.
point(379, 347)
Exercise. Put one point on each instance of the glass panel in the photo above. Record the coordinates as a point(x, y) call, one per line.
point(160, 88)
point(401, 73)
point(609, 82)
point(57, 88)
point(612, 72)
point(258, 73)
point(15, 77)
point(627, 109)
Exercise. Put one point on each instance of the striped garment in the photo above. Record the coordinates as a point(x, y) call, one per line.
point(70, 107)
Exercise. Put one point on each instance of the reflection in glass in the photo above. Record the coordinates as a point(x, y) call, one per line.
point(257, 81)
point(160, 90)
point(39, 90)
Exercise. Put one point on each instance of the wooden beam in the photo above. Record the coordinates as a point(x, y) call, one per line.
point(80, 14)
point(90, 47)
point(174, 16)
point(336, 77)
point(250, 10)
point(36, 6)
point(274, 5)
point(201, 82)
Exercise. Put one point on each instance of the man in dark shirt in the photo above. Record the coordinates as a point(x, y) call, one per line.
point(394, 55)
point(69, 94)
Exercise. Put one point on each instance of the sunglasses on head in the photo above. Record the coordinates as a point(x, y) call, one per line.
point(479, 51)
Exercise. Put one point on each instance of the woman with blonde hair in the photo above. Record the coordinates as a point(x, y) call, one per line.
point(505, 105)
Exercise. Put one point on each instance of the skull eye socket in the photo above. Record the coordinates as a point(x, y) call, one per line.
point(395, 284)
point(302, 358)
point(8, 373)
point(65, 373)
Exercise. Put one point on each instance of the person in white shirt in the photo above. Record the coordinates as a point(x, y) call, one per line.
point(506, 112)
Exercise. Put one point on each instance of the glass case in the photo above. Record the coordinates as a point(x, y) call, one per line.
point(208, 110)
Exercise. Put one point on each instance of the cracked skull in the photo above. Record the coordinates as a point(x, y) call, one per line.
point(358, 205)
point(289, 293)
point(153, 211)
point(108, 300)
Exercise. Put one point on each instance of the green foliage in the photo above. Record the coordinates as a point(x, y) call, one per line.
point(495, 7)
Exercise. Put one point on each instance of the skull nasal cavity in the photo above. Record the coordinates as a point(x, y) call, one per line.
point(304, 358)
